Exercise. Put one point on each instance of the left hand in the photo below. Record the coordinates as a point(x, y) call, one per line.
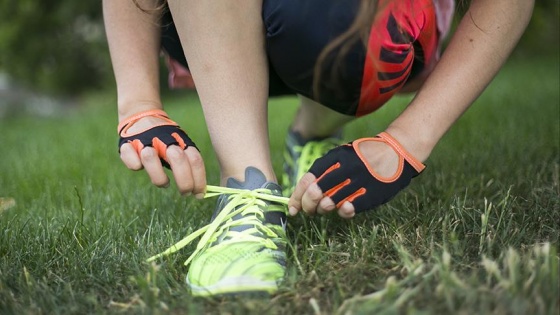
point(355, 177)
point(149, 140)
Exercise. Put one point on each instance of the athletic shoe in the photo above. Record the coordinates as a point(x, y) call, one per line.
point(299, 155)
point(243, 249)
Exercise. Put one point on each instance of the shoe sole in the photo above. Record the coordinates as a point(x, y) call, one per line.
point(234, 286)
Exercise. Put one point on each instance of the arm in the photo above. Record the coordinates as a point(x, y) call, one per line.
point(134, 44)
point(483, 41)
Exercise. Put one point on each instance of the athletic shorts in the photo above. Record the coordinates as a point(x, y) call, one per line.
point(402, 45)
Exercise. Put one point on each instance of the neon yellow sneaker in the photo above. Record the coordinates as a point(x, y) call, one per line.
point(299, 155)
point(243, 249)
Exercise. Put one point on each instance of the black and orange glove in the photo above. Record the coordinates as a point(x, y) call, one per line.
point(159, 137)
point(344, 175)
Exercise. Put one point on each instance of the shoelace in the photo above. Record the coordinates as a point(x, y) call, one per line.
point(242, 202)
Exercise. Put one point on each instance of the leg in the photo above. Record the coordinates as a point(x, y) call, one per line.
point(314, 120)
point(224, 45)
point(296, 34)
point(244, 248)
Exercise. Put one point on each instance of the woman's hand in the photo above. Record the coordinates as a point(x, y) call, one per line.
point(355, 177)
point(150, 140)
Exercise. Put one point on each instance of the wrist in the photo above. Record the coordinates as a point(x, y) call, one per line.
point(417, 143)
point(128, 108)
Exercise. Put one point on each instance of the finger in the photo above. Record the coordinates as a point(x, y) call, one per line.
point(311, 198)
point(153, 167)
point(326, 205)
point(198, 171)
point(347, 210)
point(130, 158)
point(179, 163)
point(294, 204)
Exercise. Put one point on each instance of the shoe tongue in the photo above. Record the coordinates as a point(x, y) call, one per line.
point(254, 179)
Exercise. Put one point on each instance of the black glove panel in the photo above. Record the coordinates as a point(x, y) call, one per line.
point(343, 175)
point(159, 137)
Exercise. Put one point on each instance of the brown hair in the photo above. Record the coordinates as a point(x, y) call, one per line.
point(337, 49)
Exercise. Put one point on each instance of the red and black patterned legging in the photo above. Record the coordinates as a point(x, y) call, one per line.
point(402, 46)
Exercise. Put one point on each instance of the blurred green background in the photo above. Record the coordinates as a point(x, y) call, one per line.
point(58, 48)
point(76, 226)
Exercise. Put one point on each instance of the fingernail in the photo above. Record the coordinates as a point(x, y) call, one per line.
point(293, 211)
point(199, 196)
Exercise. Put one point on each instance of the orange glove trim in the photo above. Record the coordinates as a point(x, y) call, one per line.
point(124, 125)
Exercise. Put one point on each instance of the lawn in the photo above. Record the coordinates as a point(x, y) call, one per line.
point(476, 233)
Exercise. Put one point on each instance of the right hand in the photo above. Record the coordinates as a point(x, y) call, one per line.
point(347, 179)
point(150, 140)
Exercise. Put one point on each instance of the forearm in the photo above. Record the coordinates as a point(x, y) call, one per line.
point(483, 41)
point(134, 45)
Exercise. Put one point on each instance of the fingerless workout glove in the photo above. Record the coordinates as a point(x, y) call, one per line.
point(159, 137)
point(344, 175)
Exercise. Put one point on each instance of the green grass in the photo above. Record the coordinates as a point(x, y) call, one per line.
point(476, 233)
